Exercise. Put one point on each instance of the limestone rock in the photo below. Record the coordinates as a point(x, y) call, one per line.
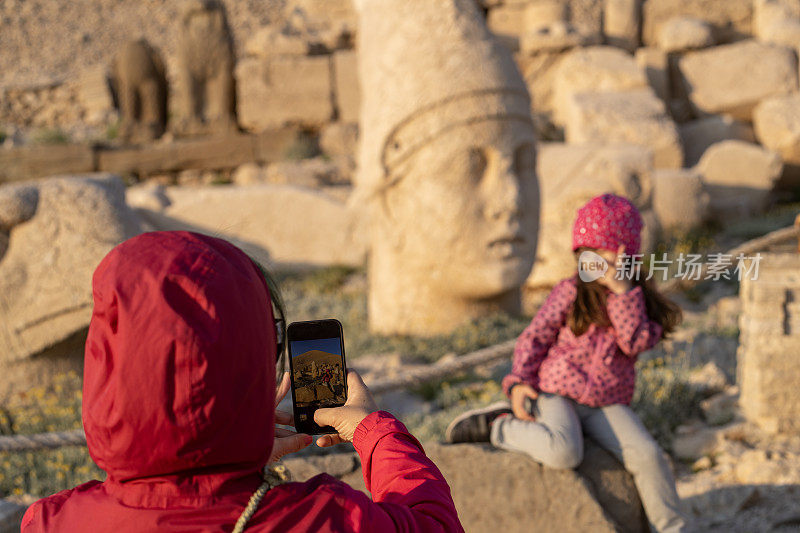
point(278, 223)
point(570, 175)
point(440, 96)
point(312, 173)
point(94, 92)
point(272, 41)
point(147, 196)
point(693, 441)
point(730, 19)
point(721, 408)
point(655, 64)
point(709, 379)
point(45, 275)
point(739, 177)
point(734, 78)
point(684, 33)
point(347, 86)
point(622, 23)
point(777, 126)
point(339, 139)
point(698, 135)
point(594, 69)
point(777, 22)
point(283, 90)
point(507, 22)
point(538, 71)
point(598, 496)
point(680, 199)
point(632, 117)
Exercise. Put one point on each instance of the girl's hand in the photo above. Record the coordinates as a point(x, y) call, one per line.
point(346, 419)
point(609, 280)
point(286, 440)
point(518, 394)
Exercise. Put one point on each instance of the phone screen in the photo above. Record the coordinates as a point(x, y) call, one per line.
point(318, 371)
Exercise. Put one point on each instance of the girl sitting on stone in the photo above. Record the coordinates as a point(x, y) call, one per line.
point(574, 364)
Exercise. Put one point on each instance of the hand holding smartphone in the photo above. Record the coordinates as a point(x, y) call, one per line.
point(318, 371)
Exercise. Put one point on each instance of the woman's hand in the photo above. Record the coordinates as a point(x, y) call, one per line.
point(519, 392)
point(609, 280)
point(286, 440)
point(346, 419)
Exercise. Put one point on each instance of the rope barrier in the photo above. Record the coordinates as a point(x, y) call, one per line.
point(442, 369)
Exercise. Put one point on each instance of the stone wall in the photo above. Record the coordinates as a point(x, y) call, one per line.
point(769, 350)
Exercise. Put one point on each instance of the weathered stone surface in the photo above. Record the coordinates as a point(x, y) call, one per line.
point(67, 225)
point(339, 139)
point(271, 41)
point(655, 64)
point(685, 33)
point(625, 117)
point(441, 97)
point(94, 92)
point(538, 71)
point(680, 199)
point(594, 69)
point(38, 161)
point(507, 22)
point(698, 135)
point(312, 173)
point(622, 21)
point(693, 441)
point(571, 175)
point(731, 19)
point(140, 81)
point(554, 37)
point(734, 78)
point(204, 86)
point(777, 126)
point(348, 90)
point(598, 496)
point(721, 408)
point(768, 365)
point(739, 177)
point(276, 223)
point(10, 516)
point(283, 90)
point(777, 22)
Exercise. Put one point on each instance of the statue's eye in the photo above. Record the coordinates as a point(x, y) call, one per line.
point(525, 160)
point(477, 163)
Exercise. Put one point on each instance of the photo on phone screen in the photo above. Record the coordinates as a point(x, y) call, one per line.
point(318, 371)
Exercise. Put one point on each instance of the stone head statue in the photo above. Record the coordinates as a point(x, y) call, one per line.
point(446, 163)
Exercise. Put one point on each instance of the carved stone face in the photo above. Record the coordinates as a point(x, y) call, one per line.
point(464, 213)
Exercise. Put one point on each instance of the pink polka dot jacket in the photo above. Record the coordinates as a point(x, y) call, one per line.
point(595, 368)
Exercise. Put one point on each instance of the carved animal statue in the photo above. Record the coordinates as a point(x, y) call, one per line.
point(205, 84)
point(138, 77)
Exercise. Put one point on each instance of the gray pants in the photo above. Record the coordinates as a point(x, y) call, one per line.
point(556, 440)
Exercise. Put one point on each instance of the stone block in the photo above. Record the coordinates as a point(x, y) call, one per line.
point(655, 64)
point(622, 21)
point(507, 22)
point(598, 496)
point(94, 92)
point(593, 69)
point(626, 117)
point(777, 127)
point(277, 223)
point(698, 135)
point(539, 70)
point(734, 78)
point(680, 199)
point(284, 90)
point(739, 177)
point(730, 19)
point(271, 41)
point(777, 22)
point(679, 34)
point(348, 88)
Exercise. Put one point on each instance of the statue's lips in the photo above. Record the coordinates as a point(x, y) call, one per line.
point(508, 246)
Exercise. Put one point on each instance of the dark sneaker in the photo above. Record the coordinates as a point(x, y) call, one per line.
point(475, 425)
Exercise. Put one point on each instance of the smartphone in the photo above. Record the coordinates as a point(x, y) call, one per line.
point(318, 370)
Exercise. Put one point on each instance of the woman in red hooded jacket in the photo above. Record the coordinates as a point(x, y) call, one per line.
point(179, 411)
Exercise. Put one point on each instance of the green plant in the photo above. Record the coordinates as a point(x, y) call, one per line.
point(50, 136)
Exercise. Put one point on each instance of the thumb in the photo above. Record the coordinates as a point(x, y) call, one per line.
point(326, 416)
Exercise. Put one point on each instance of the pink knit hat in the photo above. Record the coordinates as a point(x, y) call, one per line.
point(607, 222)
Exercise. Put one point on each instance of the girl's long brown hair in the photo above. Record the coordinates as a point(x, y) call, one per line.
point(590, 306)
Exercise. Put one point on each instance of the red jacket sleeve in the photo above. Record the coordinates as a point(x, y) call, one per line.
point(408, 491)
point(535, 341)
point(633, 330)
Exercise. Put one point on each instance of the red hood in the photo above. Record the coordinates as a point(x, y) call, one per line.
point(179, 376)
